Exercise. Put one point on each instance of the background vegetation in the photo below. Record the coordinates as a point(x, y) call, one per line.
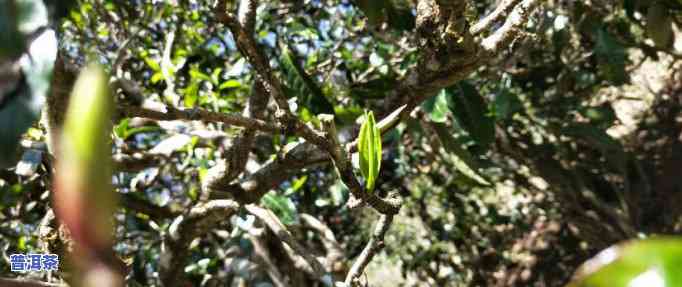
point(519, 139)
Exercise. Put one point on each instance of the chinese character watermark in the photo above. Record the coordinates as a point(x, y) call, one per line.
point(33, 262)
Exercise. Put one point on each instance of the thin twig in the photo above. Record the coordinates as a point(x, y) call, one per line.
point(375, 244)
point(172, 113)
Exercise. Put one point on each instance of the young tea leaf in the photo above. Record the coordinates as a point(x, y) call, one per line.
point(370, 151)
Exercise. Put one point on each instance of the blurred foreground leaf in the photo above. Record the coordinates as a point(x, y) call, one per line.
point(84, 196)
point(646, 263)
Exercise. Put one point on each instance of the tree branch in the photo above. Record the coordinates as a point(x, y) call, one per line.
point(248, 47)
point(261, 251)
point(500, 11)
point(375, 244)
point(185, 228)
point(139, 205)
point(243, 35)
point(511, 28)
point(170, 113)
point(310, 264)
point(228, 169)
point(250, 190)
point(335, 253)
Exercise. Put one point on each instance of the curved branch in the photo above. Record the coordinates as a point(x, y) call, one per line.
point(500, 11)
point(375, 244)
point(511, 28)
point(250, 189)
point(310, 264)
point(228, 169)
point(185, 228)
point(170, 113)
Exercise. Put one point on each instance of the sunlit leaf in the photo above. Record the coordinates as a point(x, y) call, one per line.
point(191, 94)
point(231, 84)
point(282, 206)
point(437, 107)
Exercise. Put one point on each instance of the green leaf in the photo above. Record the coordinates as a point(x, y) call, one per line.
point(302, 86)
point(471, 113)
point(192, 94)
point(369, 149)
point(153, 64)
point(373, 89)
point(347, 114)
point(611, 148)
point(437, 107)
point(121, 129)
point(505, 104)
point(593, 135)
point(603, 116)
point(612, 57)
point(650, 262)
point(373, 9)
point(231, 84)
point(461, 158)
point(282, 206)
point(659, 25)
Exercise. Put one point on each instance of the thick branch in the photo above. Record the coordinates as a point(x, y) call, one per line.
point(228, 169)
point(250, 190)
point(185, 228)
point(263, 255)
point(511, 28)
point(500, 11)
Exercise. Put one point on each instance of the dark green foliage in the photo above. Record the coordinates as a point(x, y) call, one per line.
point(301, 85)
point(471, 113)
